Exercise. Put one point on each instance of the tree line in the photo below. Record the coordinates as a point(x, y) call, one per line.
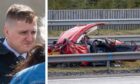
point(92, 4)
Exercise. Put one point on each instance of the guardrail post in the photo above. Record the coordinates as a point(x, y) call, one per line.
point(110, 57)
point(108, 66)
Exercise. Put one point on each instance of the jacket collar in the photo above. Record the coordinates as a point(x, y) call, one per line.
point(3, 49)
point(5, 43)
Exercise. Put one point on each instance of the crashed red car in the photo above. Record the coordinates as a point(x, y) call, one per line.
point(76, 41)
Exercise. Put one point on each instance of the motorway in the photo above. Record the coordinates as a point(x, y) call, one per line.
point(98, 80)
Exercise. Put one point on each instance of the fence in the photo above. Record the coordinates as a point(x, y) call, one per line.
point(94, 15)
point(125, 38)
point(94, 57)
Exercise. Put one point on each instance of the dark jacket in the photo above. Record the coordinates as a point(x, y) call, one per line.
point(8, 60)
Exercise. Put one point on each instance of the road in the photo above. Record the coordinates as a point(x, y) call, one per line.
point(98, 80)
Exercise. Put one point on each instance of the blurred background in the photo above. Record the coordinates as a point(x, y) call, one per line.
point(37, 5)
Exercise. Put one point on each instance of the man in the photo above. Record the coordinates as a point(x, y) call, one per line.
point(20, 34)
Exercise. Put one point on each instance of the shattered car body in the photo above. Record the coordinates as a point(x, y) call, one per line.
point(76, 41)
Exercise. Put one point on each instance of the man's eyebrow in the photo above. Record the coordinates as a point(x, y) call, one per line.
point(23, 31)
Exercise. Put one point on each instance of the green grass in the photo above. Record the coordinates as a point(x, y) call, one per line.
point(116, 32)
point(89, 69)
point(125, 65)
point(102, 32)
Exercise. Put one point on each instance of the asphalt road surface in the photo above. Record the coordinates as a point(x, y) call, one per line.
point(98, 80)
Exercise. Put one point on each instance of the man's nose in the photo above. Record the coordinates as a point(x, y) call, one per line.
point(30, 37)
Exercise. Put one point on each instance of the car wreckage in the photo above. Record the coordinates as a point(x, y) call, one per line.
point(76, 41)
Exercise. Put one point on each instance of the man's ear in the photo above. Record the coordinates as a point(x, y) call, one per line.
point(5, 31)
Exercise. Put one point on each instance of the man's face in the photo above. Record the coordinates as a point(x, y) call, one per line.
point(21, 36)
